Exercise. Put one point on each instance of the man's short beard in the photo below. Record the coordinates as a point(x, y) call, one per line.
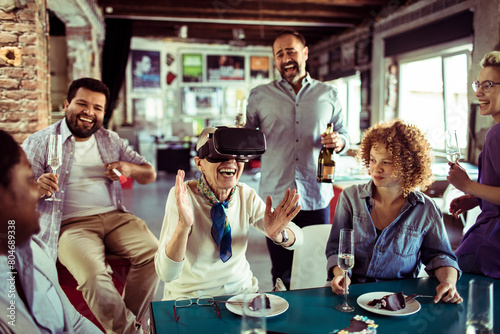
point(82, 134)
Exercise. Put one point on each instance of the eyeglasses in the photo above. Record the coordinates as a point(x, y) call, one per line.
point(186, 302)
point(485, 85)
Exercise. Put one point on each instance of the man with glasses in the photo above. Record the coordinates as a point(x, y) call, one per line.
point(204, 237)
point(293, 112)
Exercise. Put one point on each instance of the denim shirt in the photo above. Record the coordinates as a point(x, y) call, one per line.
point(293, 124)
point(417, 236)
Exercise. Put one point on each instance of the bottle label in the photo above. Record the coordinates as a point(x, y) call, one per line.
point(328, 172)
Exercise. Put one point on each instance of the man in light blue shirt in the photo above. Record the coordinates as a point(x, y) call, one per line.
point(293, 112)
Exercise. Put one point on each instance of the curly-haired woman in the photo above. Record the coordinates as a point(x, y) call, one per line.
point(397, 228)
point(478, 250)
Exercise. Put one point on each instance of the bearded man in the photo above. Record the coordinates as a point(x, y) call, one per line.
point(87, 219)
point(293, 112)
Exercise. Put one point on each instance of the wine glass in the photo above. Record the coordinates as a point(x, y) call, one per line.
point(55, 159)
point(452, 149)
point(346, 262)
point(253, 321)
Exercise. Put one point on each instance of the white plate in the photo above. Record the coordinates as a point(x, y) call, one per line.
point(278, 304)
point(411, 307)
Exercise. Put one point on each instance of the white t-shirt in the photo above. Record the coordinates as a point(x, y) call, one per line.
point(88, 191)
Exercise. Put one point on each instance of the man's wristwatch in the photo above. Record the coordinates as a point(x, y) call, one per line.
point(284, 234)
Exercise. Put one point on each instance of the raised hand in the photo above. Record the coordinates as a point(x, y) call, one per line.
point(275, 220)
point(182, 200)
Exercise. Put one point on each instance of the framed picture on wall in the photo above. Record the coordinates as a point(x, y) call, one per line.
point(201, 100)
point(192, 68)
point(225, 68)
point(259, 67)
point(146, 70)
point(348, 56)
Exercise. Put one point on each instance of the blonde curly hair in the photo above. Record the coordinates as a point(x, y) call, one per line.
point(410, 151)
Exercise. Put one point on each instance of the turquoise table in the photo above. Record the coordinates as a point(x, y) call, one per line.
point(313, 311)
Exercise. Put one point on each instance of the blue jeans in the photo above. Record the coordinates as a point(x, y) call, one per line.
point(282, 258)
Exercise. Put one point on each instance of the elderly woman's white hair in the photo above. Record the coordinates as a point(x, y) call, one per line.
point(203, 137)
point(491, 59)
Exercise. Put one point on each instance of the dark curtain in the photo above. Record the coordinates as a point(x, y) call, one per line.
point(114, 59)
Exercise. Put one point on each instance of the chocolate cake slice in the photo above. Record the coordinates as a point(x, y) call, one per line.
point(392, 302)
point(256, 303)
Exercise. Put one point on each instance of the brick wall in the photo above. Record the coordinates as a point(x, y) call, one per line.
point(24, 81)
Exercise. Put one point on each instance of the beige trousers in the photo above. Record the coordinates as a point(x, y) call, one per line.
point(82, 247)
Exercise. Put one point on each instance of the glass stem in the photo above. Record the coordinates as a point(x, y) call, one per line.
point(345, 289)
point(53, 196)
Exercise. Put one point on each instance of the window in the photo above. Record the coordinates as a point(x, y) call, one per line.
point(349, 89)
point(433, 93)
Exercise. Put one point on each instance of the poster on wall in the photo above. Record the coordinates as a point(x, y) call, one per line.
point(259, 67)
point(146, 70)
point(226, 68)
point(348, 56)
point(192, 68)
point(201, 100)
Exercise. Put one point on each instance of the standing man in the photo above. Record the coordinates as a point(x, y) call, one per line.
point(90, 219)
point(293, 113)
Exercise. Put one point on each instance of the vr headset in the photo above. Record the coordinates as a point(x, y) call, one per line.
point(233, 143)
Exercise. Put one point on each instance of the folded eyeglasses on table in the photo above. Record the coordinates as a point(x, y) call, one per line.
point(201, 301)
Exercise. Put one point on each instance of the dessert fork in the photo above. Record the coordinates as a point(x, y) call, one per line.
point(414, 295)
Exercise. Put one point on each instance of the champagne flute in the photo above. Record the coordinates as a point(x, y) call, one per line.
point(346, 262)
point(452, 149)
point(55, 158)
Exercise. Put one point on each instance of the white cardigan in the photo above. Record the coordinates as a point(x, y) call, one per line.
point(202, 272)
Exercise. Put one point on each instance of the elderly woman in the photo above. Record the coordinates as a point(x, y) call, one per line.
point(204, 236)
point(478, 250)
point(396, 226)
